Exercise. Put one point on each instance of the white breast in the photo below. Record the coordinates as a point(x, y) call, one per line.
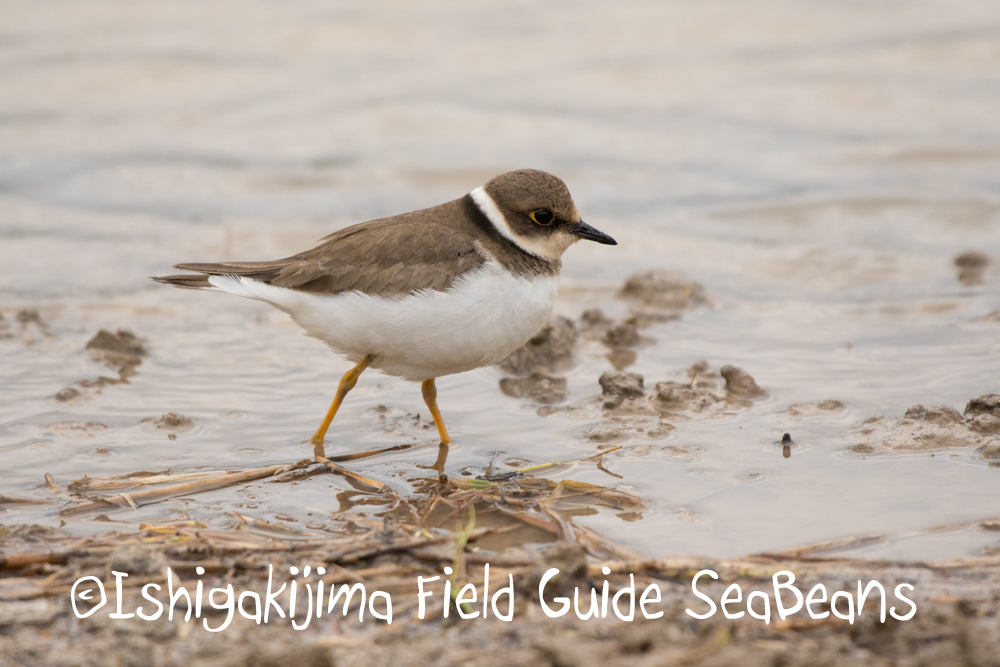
point(482, 318)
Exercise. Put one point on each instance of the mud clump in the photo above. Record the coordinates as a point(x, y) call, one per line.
point(551, 349)
point(664, 291)
point(621, 385)
point(594, 324)
point(943, 415)
point(629, 407)
point(990, 452)
point(539, 387)
point(623, 335)
point(78, 429)
point(31, 325)
point(985, 423)
point(971, 266)
point(938, 427)
point(170, 423)
point(824, 407)
point(621, 338)
point(533, 364)
point(741, 384)
point(655, 296)
point(67, 394)
point(122, 350)
point(704, 391)
point(985, 404)
point(118, 349)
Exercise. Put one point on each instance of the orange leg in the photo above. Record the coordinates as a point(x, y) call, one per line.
point(430, 398)
point(346, 384)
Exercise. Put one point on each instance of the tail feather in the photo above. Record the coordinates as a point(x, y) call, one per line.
point(262, 271)
point(185, 281)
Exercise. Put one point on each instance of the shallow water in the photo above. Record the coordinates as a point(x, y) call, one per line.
point(816, 166)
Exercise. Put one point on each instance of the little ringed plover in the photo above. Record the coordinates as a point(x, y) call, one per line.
point(424, 294)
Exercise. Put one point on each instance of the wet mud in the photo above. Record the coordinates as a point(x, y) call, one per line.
point(121, 351)
point(972, 266)
point(956, 624)
point(936, 428)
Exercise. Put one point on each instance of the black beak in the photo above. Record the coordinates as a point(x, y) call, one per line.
point(585, 231)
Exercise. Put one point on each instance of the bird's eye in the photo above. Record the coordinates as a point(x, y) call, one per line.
point(543, 217)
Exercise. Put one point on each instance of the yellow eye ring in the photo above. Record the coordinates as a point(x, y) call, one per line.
point(543, 217)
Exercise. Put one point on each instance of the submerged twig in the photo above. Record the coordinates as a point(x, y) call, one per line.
point(546, 467)
point(135, 479)
point(355, 477)
point(51, 483)
point(185, 489)
point(8, 500)
point(812, 549)
point(372, 452)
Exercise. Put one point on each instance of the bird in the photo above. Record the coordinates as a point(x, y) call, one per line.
point(426, 294)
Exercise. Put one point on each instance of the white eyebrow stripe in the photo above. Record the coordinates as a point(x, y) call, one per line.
point(496, 217)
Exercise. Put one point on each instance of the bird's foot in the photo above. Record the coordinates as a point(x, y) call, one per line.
point(319, 451)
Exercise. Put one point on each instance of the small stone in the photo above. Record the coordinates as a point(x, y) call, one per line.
point(741, 384)
point(830, 405)
point(621, 384)
point(916, 412)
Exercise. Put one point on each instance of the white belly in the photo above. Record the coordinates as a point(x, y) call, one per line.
point(485, 316)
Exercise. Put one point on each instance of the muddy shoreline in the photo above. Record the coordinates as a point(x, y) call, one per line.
point(520, 519)
point(955, 624)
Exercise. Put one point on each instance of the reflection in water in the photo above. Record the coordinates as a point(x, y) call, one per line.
point(786, 445)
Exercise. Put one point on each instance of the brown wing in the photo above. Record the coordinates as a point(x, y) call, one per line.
point(427, 249)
